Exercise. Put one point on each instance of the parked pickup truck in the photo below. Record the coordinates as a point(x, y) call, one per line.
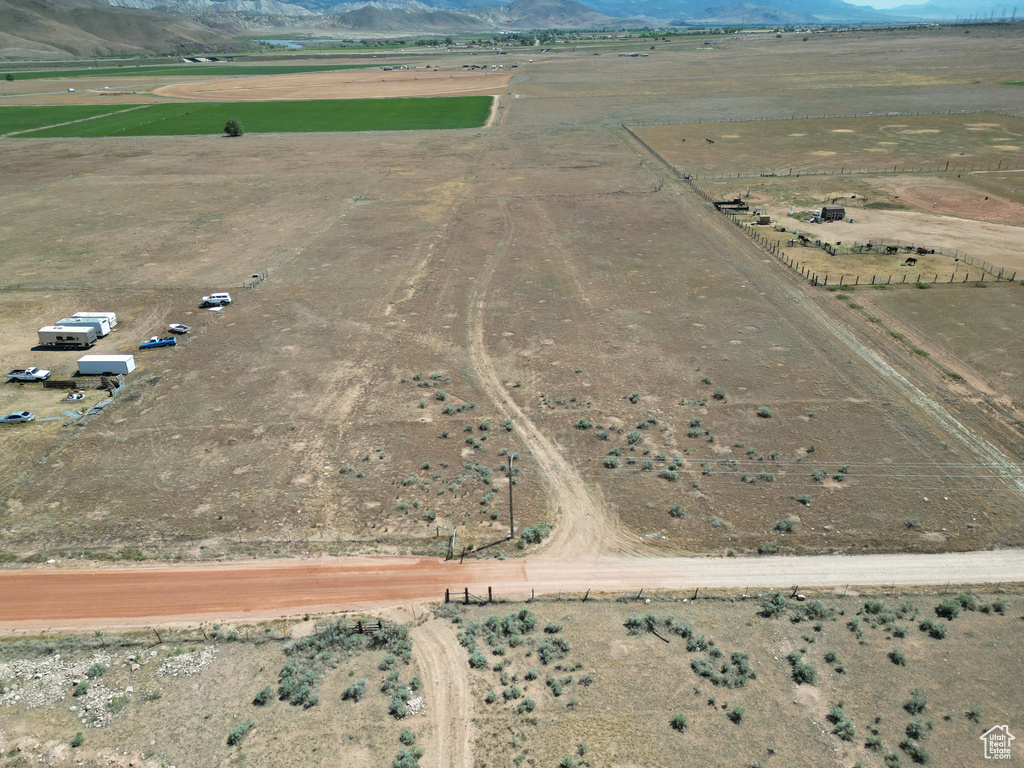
point(157, 341)
point(28, 374)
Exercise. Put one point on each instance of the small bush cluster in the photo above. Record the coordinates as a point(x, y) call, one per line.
point(803, 673)
point(240, 731)
point(535, 534)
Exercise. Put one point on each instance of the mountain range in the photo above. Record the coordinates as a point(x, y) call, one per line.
point(54, 29)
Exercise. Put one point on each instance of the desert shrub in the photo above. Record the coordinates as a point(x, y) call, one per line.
point(676, 510)
point(398, 709)
point(917, 702)
point(512, 692)
point(736, 714)
point(477, 660)
point(948, 609)
point(96, 670)
point(973, 714)
point(240, 731)
point(679, 723)
point(831, 657)
point(785, 526)
point(768, 548)
point(669, 474)
point(897, 657)
point(967, 601)
point(81, 689)
point(804, 673)
point(804, 499)
point(555, 649)
point(773, 606)
point(264, 696)
point(355, 691)
point(407, 758)
point(918, 728)
point(874, 742)
point(534, 535)
point(526, 705)
point(552, 628)
point(77, 741)
point(873, 607)
point(892, 760)
point(584, 423)
point(610, 462)
point(916, 751)
point(764, 412)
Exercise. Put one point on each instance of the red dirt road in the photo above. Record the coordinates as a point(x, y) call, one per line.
point(40, 598)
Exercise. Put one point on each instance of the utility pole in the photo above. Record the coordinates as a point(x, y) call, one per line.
point(511, 516)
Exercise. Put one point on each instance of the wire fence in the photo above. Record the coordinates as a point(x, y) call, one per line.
point(844, 171)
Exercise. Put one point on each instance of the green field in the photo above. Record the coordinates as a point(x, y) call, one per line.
point(27, 118)
point(256, 117)
point(238, 70)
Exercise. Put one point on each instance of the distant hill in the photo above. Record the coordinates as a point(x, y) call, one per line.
point(45, 29)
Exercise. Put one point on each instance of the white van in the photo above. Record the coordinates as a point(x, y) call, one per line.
point(216, 300)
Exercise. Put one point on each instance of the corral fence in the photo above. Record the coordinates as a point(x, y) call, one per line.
point(774, 247)
point(255, 280)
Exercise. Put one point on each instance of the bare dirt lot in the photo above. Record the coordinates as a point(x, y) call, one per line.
point(439, 300)
point(531, 684)
point(342, 85)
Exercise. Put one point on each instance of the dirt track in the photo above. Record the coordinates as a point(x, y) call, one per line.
point(104, 597)
point(342, 85)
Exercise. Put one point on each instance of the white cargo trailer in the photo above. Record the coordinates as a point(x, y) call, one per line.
point(101, 324)
point(110, 316)
point(100, 365)
point(67, 336)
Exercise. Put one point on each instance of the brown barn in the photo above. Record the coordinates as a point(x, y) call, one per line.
point(833, 213)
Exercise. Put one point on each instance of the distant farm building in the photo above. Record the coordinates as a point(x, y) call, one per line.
point(833, 213)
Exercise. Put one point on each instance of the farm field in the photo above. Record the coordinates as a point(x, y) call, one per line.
point(841, 145)
point(437, 301)
point(256, 117)
point(535, 683)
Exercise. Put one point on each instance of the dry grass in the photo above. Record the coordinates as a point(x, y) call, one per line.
point(592, 284)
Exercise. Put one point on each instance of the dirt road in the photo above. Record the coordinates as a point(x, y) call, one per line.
point(52, 598)
point(442, 663)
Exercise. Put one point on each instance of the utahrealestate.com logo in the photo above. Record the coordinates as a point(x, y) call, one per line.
point(997, 742)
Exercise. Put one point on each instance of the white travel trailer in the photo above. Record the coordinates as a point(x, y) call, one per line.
point(111, 316)
point(101, 324)
point(67, 336)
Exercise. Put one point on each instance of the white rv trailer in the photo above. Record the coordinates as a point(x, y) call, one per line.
point(67, 336)
point(101, 324)
point(111, 316)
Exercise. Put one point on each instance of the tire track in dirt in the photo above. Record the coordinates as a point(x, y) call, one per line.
point(447, 699)
point(583, 524)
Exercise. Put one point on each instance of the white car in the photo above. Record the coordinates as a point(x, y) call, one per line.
point(178, 328)
point(216, 300)
point(18, 417)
